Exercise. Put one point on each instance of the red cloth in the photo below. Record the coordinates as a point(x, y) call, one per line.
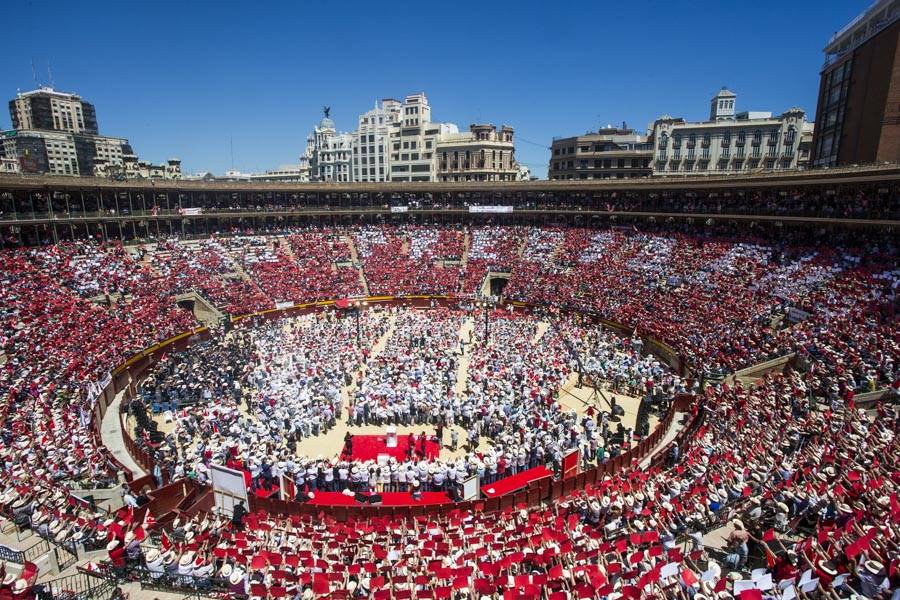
point(515, 482)
point(368, 447)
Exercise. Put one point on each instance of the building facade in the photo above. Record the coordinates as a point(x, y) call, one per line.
point(56, 133)
point(47, 109)
point(480, 154)
point(858, 109)
point(413, 140)
point(730, 141)
point(371, 142)
point(328, 153)
point(610, 153)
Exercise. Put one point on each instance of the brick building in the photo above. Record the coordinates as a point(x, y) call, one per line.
point(858, 112)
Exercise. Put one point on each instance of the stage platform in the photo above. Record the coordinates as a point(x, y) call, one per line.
point(368, 447)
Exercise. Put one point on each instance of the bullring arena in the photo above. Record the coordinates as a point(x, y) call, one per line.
point(641, 389)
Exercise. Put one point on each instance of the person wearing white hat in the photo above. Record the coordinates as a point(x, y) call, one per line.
point(237, 585)
point(872, 580)
point(154, 562)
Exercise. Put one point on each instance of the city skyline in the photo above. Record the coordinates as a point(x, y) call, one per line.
point(184, 93)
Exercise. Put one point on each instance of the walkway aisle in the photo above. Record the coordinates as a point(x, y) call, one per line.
point(674, 428)
point(377, 348)
point(111, 434)
point(462, 367)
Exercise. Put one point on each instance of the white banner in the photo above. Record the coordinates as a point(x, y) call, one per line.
point(490, 209)
point(399, 209)
point(190, 211)
point(471, 488)
point(284, 304)
point(228, 488)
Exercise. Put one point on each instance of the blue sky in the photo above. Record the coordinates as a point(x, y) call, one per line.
point(183, 79)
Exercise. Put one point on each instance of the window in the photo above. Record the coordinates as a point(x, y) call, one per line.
point(676, 141)
point(741, 138)
point(726, 138)
point(706, 140)
point(789, 136)
point(692, 140)
point(663, 141)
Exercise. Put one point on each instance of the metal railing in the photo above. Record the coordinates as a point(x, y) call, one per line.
point(80, 586)
point(172, 582)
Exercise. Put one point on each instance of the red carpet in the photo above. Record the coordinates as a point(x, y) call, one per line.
point(368, 447)
point(389, 499)
point(515, 482)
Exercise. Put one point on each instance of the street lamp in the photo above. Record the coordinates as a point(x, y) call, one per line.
point(359, 305)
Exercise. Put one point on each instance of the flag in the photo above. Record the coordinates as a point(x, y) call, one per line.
point(689, 577)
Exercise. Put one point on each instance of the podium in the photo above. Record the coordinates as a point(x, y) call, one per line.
point(390, 438)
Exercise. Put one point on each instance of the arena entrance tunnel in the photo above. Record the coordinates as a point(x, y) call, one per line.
point(169, 498)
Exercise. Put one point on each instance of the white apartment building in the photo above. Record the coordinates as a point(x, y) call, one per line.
point(730, 141)
point(328, 153)
point(371, 142)
point(413, 140)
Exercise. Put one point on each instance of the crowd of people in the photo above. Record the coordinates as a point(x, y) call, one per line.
point(809, 497)
point(810, 479)
point(248, 398)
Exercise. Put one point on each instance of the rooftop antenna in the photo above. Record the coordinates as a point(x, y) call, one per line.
point(49, 74)
point(34, 74)
point(232, 152)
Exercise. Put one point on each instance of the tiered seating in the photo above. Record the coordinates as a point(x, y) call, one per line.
point(813, 483)
point(406, 262)
point(318, 254)
point(56, 344)
point(793, 480)
point(490, 248)
point(206, 267)
point(270, 266)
